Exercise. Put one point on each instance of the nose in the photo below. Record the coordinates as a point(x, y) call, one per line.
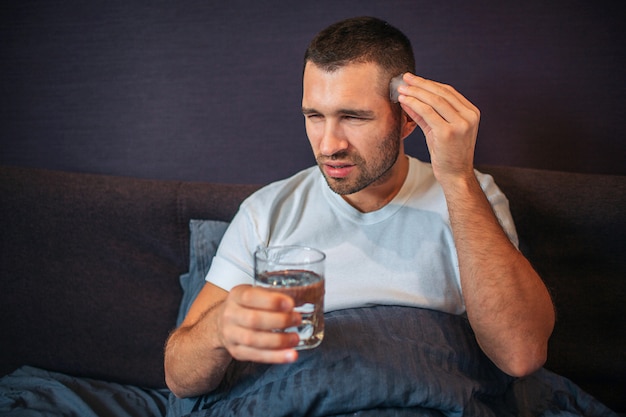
point(333, 139)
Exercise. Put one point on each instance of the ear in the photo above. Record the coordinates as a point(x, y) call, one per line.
point(408, 125)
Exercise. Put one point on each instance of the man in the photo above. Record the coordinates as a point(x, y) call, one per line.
point(405, 232)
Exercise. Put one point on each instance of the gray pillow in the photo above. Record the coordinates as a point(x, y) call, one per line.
point(205, 237)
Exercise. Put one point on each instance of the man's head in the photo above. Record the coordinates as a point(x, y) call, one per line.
point(355, 131)
point(362, 40)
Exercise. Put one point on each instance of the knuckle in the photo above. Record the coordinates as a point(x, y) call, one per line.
point(229, 314)
point(237, 352)
point(439, 101)
point(463, 126)
point(245, 295)
point(447, 88)
point(250, 319)
point(248, 339)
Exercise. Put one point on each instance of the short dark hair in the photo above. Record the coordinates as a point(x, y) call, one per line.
point(362, 40)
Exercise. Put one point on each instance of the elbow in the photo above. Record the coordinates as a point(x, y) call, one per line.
point(180, 391)
point(181, 387)
point(522, 364)
point(170, 380)
point(529, 357)
point(524, 355)
point(170, 370)
point(522, 368)
point(519, 359)
point(173, 379)
point(183, 391)
point(185, 383)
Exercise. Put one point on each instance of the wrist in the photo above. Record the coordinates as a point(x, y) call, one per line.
point(461, 183)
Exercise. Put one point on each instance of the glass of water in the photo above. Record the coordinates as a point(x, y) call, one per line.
point(297, 271)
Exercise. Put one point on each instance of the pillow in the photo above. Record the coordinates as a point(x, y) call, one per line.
point(205, 237)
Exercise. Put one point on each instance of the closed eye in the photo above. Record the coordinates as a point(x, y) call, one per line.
point(314, 117)
point(356, 119)
point(357, 115)
point(311, 113)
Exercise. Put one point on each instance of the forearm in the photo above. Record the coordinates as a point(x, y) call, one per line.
point(507, 303)
point(195, 362)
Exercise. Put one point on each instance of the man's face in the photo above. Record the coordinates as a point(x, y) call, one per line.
point(350, 123)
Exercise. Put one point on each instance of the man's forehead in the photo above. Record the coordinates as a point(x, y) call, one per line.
point(357, 79)
point(371, 68)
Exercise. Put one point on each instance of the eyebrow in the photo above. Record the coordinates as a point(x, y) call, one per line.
point(346, 112)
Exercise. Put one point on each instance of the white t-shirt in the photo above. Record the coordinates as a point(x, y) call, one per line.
point(401, 254)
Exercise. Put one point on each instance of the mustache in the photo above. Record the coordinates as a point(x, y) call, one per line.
point(342, 155)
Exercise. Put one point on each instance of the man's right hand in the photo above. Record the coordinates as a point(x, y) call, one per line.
point(248, 323)
point(220, 325)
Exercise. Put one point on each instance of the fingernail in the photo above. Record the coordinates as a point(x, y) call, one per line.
point(286, 305)
point(413, 76)
point(291, 356)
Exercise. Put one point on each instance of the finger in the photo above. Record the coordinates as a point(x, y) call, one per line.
point(441, 121)
point(444, 101)
point(261, 298)
point(246, 353)
point(261, 346)
point(260, 339)
point(454, 98)
point(421, 112)
point(434, 109)
point(235, 315)
point(266, 321)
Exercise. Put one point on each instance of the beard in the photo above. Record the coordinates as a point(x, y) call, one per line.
point(367, 172)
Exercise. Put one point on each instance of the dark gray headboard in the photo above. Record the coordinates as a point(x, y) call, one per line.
point(207, 90)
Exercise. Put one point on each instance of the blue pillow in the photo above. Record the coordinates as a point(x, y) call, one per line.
point(205, 237)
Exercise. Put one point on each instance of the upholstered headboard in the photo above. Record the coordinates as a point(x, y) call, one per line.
point(204, 90)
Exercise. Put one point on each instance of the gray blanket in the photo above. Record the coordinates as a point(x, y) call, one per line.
point(390, 361)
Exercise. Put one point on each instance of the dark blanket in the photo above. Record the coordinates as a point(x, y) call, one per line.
point(32, 392)
point(390, 361)
point(379, 361)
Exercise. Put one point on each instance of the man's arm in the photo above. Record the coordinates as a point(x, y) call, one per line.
point(507, 303)
point(224, 325)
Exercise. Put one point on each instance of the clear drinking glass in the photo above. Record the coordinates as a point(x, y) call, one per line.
point(297, 271)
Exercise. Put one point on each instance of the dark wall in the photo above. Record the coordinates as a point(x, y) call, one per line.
point(207, 90)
